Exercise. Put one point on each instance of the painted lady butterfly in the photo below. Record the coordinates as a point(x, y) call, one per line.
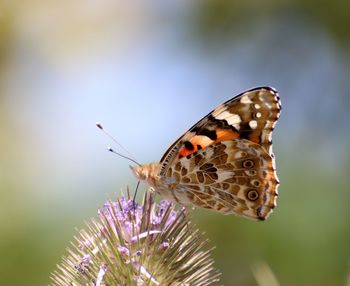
point(225, 161)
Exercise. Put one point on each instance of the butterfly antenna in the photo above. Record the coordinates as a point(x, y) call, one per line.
point(130, 157)
point(121, 155)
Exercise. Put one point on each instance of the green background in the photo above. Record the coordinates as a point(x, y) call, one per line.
point(148, 70)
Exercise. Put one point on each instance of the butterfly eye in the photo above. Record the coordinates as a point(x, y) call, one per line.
point(248, 164)
point(252, 195)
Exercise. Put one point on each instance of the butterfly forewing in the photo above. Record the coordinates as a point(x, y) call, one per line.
point(251, 115)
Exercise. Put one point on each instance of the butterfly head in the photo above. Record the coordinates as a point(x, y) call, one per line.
point(145, 172)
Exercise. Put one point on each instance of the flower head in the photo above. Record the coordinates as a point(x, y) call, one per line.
point(130, 244)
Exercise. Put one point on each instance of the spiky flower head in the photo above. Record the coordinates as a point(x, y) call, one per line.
point(130, 244)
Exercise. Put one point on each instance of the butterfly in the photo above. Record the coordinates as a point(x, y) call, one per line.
point(225, 161)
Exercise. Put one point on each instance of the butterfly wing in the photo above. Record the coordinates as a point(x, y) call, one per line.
point(231, 177)
point(239, 130)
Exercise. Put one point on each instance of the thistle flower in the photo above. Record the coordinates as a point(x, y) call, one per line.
point(130, 244)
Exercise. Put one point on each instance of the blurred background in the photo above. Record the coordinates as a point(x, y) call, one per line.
point(148, 70)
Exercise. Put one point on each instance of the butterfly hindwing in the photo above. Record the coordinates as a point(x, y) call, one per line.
point(231, 177)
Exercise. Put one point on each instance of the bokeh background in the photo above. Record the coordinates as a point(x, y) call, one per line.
point(148, 70)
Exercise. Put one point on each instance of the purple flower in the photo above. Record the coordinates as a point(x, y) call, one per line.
point(131, 244)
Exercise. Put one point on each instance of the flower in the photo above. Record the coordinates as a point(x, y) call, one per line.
point(131, 244)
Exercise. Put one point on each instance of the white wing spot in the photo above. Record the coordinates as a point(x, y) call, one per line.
point(231, 118)
point(268, 104)
point(253, 124)
point(269, 138)
point(219, 110)
point(258, 115)
point(224, 175)
point(245, 99)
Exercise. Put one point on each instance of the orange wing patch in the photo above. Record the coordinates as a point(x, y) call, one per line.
point(199, 142)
